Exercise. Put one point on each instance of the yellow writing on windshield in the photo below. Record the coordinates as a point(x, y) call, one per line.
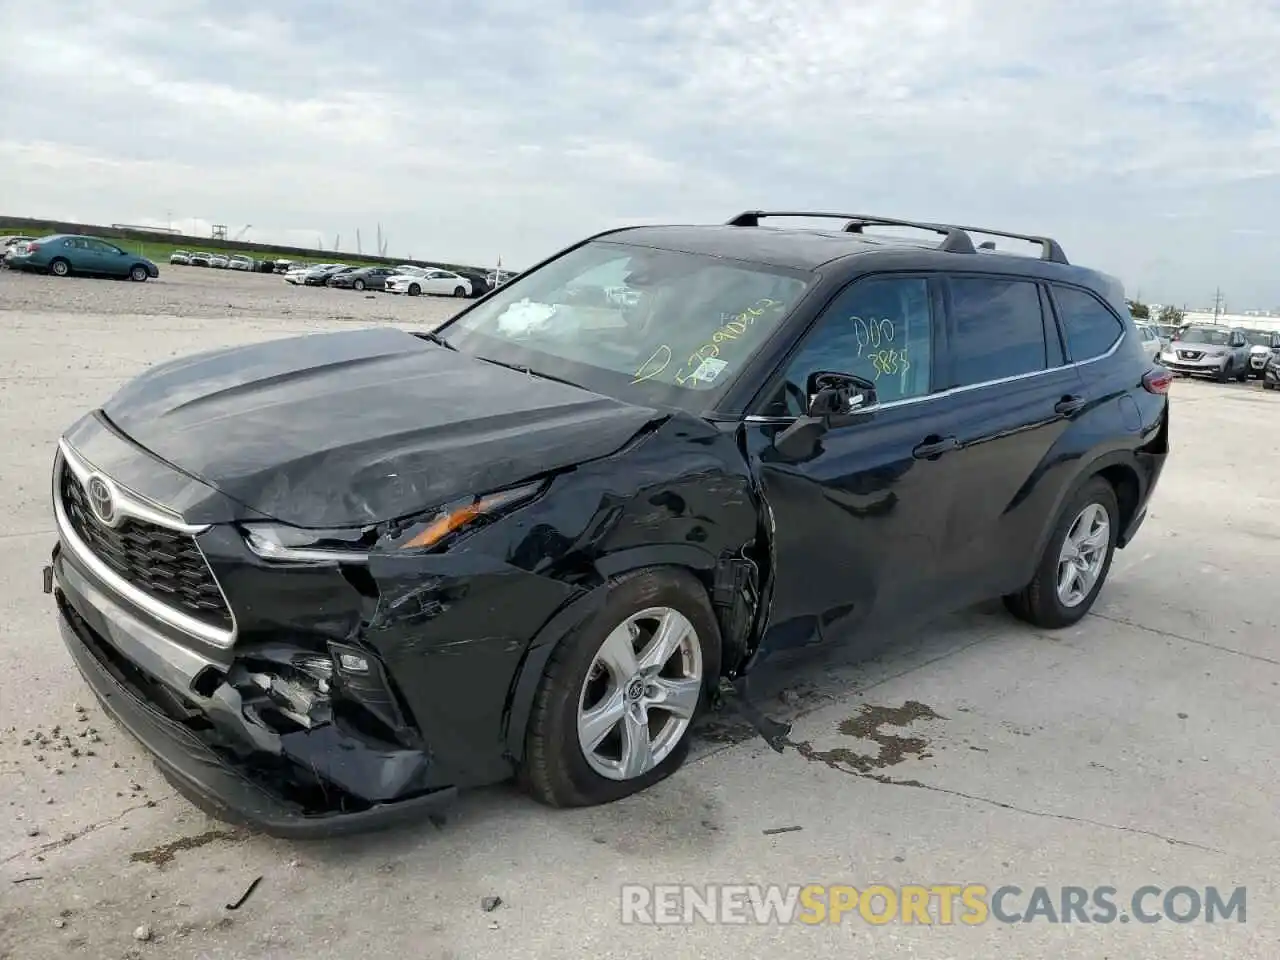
point(696, 368)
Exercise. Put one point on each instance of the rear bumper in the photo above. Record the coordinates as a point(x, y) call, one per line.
point(211, 779)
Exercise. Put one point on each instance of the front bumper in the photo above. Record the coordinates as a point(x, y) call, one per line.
point(1205, 366)
point(116, 652)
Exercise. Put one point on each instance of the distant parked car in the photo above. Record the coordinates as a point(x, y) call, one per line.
point(200, 259)
point(1151, 344)
point(365, 278)
point(218, 260)
point(296, 273)
point(318, 275)
point(1262, 345)
point(62, 254)
point(10, 244)
point(180, 256)
point(1209, 350)
point(1271, 372)
point(284, 266)
point(240, 262)
point(442, 282)
point(497, 278)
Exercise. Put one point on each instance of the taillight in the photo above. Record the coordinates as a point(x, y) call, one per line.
point(32, 247)
point(1157, 381)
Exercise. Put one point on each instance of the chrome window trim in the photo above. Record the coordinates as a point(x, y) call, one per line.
point(952, 391)
point(130, 504)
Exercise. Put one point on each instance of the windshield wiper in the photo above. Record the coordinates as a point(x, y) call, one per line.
point(437, 340)
point(530, 372)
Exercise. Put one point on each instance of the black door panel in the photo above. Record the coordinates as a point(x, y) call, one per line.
point(856, 528)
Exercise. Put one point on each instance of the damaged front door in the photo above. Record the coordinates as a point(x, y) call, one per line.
point(856, 522)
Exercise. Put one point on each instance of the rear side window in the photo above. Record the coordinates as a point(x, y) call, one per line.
point(999, 329)
point(1091, 329)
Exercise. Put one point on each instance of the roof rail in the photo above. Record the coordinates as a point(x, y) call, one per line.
point(1050, 249)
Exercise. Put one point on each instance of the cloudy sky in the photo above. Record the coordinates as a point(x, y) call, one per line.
point(1144, 134)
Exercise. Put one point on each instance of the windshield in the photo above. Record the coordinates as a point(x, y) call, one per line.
point(1204, 335)
point(1259, 338)
point(635, 322)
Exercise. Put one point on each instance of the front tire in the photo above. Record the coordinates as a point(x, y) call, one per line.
point(1075, 562)
point(414, 290)
point(613, 709)
point(138, 274)
point(459, 291)
point(358, 285)
point(59, 267)
point(1223, 375)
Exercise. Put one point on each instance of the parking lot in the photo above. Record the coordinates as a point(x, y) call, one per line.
point(1137, 748)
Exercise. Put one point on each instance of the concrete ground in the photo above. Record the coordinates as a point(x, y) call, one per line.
point(1136, 748)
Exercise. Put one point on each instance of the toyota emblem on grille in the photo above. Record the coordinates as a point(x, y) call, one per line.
point(101, 499)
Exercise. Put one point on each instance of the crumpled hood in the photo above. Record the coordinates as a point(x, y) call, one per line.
point(358, 427)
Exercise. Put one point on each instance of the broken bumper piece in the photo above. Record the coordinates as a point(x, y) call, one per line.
point(223, 787)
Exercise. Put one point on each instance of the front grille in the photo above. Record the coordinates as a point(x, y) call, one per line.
point(165, 564)
point(1189, 354)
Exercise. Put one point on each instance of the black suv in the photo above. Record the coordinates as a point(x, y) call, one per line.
point(329, 580)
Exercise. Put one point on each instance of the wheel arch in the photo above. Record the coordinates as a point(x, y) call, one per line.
point(1119, 469)
point(577, 612)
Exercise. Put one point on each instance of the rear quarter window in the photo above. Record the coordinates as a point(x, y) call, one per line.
point(1090, 328)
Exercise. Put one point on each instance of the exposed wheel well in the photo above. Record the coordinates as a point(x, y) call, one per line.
point(1124, 481)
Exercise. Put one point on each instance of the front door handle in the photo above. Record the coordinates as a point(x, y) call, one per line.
point(1068, 405)
point(934, 447)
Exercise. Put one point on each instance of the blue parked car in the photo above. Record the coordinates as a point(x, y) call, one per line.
point(64, 254)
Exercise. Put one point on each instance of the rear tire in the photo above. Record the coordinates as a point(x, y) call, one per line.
point(138, 273)
point(59, 267)
point(556, 769)
point(1042, 603)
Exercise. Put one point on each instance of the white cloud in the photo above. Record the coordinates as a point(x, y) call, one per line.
point(1146, 136)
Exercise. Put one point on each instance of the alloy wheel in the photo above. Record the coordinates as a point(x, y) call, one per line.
point(640, 693)
point(1084, 551)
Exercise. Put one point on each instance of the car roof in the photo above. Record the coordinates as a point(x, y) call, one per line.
point(809, 249)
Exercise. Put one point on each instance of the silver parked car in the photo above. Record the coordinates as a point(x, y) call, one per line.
point(1262, 345)
point(1209, 350)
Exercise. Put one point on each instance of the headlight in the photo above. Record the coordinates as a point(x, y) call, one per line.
point(273, 541)
point(465, 513)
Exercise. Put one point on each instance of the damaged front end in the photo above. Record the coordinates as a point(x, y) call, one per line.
point(284, 739)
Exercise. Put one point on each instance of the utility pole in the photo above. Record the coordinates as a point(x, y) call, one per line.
point(1219, 304)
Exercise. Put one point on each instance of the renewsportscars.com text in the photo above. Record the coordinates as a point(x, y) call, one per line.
point(928, 904)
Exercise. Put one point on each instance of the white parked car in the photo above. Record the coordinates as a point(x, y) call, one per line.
point(1151, 343)
point(199, 259)
point(443, 283)
point(180, 256)
point(295, 273)
point(219, 260)
point(239, 262)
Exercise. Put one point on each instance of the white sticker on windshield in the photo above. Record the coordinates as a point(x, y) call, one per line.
point(709, 369)
point(524, 317)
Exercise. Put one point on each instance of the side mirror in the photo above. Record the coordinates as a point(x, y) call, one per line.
point(834, 399)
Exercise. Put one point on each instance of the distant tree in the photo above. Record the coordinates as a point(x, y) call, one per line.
point(1139, 310)
point(1172, 316)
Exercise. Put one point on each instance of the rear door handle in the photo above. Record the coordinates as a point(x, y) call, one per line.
point(1069, 405)
point(934, 447)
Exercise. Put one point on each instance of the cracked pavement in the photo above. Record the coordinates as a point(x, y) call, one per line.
point(1138, 747)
